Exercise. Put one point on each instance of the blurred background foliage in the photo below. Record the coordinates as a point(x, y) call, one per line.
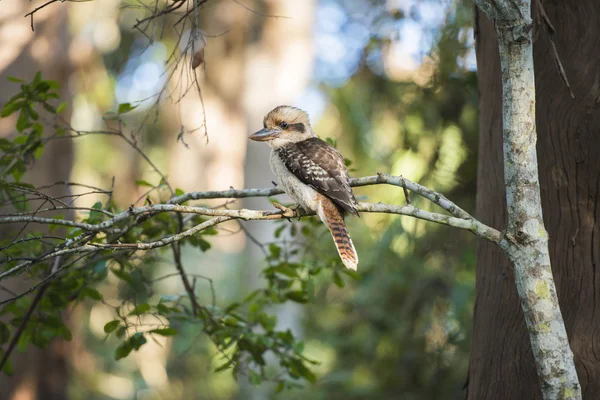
point(392, 82)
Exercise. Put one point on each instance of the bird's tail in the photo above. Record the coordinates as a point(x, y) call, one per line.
point(334, 219)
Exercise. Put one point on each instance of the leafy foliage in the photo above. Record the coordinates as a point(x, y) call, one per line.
point(244, 333)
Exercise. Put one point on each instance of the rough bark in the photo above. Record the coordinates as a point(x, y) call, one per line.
point(502, 365)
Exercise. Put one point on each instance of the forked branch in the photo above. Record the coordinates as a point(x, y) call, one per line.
point(117, 223)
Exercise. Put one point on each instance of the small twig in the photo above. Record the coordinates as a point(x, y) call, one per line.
point(549, 28)
point(259, 13)
point(37, 9)
point(27, 316)
point(177, 4)
point(93, 247)
point(405, 190)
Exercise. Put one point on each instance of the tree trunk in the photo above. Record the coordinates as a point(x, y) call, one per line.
point(38, 374)
point(284, 68)
point(501, 365)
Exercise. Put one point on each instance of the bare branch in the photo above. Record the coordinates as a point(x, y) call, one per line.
point(30, 14)
point(83, 243)
point(94, 247)
point(399, 181)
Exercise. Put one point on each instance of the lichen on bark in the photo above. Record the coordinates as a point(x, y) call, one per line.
point(528, 250)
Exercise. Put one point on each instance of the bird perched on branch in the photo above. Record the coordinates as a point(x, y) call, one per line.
point(311, 172)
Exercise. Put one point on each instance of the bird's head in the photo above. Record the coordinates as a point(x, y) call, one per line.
point(284, 125)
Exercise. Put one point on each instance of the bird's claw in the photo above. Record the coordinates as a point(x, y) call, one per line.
point(287, 212)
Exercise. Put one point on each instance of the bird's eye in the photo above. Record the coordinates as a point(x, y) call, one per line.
point(283, 124)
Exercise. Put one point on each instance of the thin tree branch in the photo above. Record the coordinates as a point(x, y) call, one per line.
point(93, 247)
point(378, 179)
point(82, 244)
point(36, 300)
point(30, 14)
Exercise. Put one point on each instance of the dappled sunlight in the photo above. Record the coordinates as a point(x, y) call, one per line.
point(375, 81)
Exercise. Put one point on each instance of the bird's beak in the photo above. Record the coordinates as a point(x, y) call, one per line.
point(265, 134)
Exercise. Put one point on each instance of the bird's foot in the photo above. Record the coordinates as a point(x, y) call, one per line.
point(287, 212)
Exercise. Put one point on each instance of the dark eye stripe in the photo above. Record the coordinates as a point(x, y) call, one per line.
point(299, 127)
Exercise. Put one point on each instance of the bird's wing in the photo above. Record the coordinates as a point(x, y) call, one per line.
point(319, 165)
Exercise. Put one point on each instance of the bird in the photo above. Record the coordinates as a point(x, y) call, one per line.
point(312, 172)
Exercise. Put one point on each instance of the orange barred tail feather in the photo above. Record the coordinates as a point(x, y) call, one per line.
point(332, 217)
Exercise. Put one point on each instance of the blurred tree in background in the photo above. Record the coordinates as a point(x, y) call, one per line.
point(23, 53)
point(391, 82)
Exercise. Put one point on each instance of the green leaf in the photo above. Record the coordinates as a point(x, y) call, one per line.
point(124, 108)
point(66, 334)
point(275, 250)
point(61, 107)
point(254, 378)
point(123, 275)
point(123, 350)
point(133, 343)
point(297, 368)
point(6, 145)
point(137, 340)
point(52, 84)
point(24, 340)
point(11, 107)
point(38, 129)
point(111, 326)
point(120, 332)
point(92, 293)
point(23, 120)
point(298, 296)
point(352, 274)
point(162, 309)
point(231, 307)
point(142, 182)
point(140, 309)
point(4, 333)
point(225, 366)
point(13, 79)
point(8, 367)
point(164, 331)
point(100, 269)
point(95, 216)
point(203, 244)
point(279, 230)
point(286, 270)
point(49, 108)
point(337, 279)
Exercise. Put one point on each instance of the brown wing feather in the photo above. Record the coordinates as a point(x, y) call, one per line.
point(319, 165)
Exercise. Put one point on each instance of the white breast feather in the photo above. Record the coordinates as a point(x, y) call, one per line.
point(300, 192)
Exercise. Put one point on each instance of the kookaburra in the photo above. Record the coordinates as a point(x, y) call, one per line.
point(311, 172)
